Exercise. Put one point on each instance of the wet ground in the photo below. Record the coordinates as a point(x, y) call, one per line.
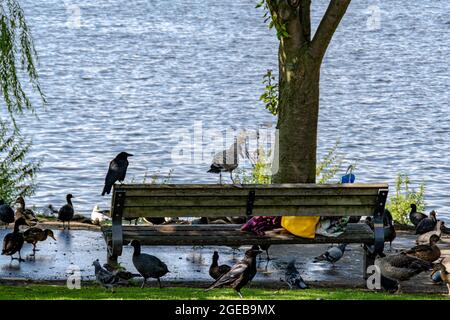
point(78, 248)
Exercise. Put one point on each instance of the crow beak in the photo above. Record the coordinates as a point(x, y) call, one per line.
point(129, 155)
point(53, 238)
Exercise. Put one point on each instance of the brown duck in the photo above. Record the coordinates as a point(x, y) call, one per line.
point(13, 242)
point(23, 212)
point(428, 252)
point(216, 271)
point(33, 235)
point(445, 276)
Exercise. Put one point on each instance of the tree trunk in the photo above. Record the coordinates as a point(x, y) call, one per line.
point(300, 59)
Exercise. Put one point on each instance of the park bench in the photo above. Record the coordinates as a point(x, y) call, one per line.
point(207, 200)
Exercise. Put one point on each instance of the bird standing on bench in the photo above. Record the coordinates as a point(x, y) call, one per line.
point(332, 255)
point(228, 160)
point(117, 171)
point(240, 274)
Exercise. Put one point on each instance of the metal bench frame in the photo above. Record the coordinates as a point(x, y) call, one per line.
point(133, 201)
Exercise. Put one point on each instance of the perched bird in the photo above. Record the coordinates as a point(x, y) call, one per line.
point(147, 265)
point(428, 252)
point(389, 229)
point(293, 277)
point(117, 171)
point(414, 216)
point(98, 216)
point(240, 274)
point(34, 234)
point(427, 224)
point(104, 277)
point(444, 274)
point(27, 214)
point(216, 271)
point(332, 255)
point(425, 238)
point(228, 160)
point(6, 213)
point(401, 267)
point(66, 212)
point(155, 220)
point(13, 242)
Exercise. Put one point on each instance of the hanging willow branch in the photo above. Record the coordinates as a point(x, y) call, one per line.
point(18, 58)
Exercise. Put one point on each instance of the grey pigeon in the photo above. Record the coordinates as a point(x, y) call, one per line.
point(293, 277)
point(147, 265)
point(104, 277)
point(332, 255)
point(117, 171)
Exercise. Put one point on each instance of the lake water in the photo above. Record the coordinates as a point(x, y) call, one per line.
point(132, 75)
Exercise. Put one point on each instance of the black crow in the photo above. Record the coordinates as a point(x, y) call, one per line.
point(66, 212)
point(216, 271)
point(240, 274)
point(389, 229)
point(428, 224)
point(116, 172)
point(147, 265)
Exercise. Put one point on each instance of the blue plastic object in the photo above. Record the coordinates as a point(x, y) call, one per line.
point(349, 177)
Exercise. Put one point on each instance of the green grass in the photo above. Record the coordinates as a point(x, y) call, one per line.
point(89, 292)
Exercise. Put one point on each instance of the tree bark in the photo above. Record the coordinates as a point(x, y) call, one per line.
point(300, 60)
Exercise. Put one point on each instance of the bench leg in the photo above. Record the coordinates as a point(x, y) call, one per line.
point(111, 258)
point(368, 260)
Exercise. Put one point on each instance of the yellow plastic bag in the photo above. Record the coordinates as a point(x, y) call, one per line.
point(304, 227)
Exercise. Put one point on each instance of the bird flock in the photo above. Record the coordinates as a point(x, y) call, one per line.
point(394, 268)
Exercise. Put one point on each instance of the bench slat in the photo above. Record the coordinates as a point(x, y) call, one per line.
point(231, 235)
point(241, 211)
point(212, 201)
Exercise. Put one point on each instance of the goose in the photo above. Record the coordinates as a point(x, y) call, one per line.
point(427, 224)
point(27, 214)
point(6, 213)
point(429, 252)
point(33, 235)
point(400, 267)
point(240, 274)
point(425, 238)
point(216, 270)
point(13, 242)
point(66, 212)
point(414, 216)
point(147, 265)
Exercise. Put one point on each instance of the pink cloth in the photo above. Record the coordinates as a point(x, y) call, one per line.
point(259, 224)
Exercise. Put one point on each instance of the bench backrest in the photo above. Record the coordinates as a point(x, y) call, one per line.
point(207, 200)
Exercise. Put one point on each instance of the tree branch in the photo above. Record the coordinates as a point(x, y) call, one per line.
point(330, 21)
point(305, 19)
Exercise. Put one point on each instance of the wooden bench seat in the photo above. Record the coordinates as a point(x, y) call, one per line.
point(215, 201)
